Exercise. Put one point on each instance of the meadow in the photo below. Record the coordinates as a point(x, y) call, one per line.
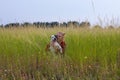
point(91, 54)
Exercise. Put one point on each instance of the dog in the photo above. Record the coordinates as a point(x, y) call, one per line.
point(54, 45)
point(60, 36)
point(57, 39)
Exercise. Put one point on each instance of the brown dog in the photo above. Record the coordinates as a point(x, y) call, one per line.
point(60, 40)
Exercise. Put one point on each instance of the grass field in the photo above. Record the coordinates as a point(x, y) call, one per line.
point(91, 54)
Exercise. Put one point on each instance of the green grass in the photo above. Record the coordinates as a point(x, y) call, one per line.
point(91, 54)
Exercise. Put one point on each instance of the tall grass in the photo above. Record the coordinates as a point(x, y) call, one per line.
point(91, 54)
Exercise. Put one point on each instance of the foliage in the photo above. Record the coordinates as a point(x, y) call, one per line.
point(91, 54)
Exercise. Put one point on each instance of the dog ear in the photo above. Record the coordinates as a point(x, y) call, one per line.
point(63, 34)
point(56, 36)
point(51, 36)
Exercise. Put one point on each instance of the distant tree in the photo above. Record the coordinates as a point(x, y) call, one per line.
point(43, 24)
point(64, 24)
point(111, 27)
point(48, 25)
point(16, 24)
point(69, 24)
point(75, 24)
point(54, 24)
point(37, 24)
point(12, 25)
point(85, 24)
point(97, 26)
point(1, 26)
point(26, 24)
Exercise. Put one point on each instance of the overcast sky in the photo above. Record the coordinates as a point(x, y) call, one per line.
point(58, 10)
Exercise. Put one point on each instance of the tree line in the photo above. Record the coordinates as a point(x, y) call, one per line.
point(48, 24)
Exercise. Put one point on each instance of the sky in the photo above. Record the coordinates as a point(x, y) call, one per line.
point(93, 11)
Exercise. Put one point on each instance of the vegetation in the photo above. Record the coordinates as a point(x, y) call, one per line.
point(91, 54)
point(47, 24)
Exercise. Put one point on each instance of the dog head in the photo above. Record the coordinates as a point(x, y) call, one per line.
point(60, 36)
point(53, 37)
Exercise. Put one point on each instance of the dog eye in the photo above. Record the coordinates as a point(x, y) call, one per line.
point(59, 36)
